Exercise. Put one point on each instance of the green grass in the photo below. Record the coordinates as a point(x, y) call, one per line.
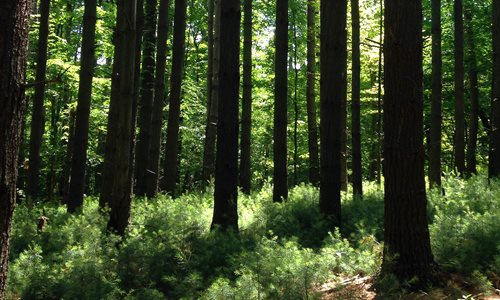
point(282, 251)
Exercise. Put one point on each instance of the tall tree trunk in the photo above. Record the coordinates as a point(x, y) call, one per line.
point(212, 100)
point(146, 99)
point(436, 97)
point(333, 56)
point(474, 94)
point(407, 250)
point(357, 171)
point(343, 155)
point(38, 117)
point(246, 107)
point(280, 188)
point(379, 96)
point(81, 135)
point(175, 97)
point(14, 22)
point(494, 164)
point(116, 190)
point(226, 171)
point(293, 60)
point(311, 93)
point(459, 88)
point(159, 99)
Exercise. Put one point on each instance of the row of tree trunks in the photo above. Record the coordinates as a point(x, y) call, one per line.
point(178, 51)
point(159, 99)
point(81, 134)
point(14, 22)
point(38, 115)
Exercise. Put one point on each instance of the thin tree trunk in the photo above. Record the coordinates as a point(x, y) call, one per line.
point(246, 111)
point(436, 98)
point(379, 95)
point(172, 152)
point(280, 188)
point(311, 93)
point(407, 249)
point(333, 57)
point(295, 100)
point(159, 99)
point(494, 164)
point(357, 176)
point(474, 95)
point(14, 23)
point(226, 171)
point(343, 155)
point(146, 99)
point(81, 135)
point(116, 190)
point(459, 88)
point(38, 116)
point(69, 155)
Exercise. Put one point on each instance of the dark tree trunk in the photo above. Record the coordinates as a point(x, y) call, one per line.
point(407, 251)
point(116, 190)
point(38, 116)
point(459, 138)
point(80, 144)
point(436, 97)
point(333, 57)
point(494, 164)
point(212, 94)
point(357, 175)
point(226, 165)
point(280, 188)
point(311, 93)
point(293, 66)
point(142, 173)
point(343, 155)
point(14, 22)
point(172, 154)
point(246, 111)
point(159, 99)
point(474, 95)
point(378, 152)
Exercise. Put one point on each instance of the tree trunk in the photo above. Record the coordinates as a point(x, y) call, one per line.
point(494, 164)
point(38, 116)
point(459, 88)
point(333, 57)
point(293, 61)
point(159, 99)
point(407, 251)
point(14, 22)
point(175, 97)
point(474, 95)
point(69, 156)
point(357, 171)
point(226, 165)
point(379, 96)
point(116, 190)
point(146, 99)
point(246, 110)
point(311, 93)
point(280, 188)
point(436, 98)
point(343, 155)
point(81, 135)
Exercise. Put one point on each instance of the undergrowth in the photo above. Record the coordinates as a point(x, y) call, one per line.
point(283, 251)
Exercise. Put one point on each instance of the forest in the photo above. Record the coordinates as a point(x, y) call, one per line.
point(249, 149)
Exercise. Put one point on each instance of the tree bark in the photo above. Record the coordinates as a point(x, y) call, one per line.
point(459, 88)
point(280, 188)
point(494, 164)
point(436, 98)
point(333, 78)
point(407, 250)
point(226, 171)
point(246, 110)
point(172, 154)
point(159, 99)
point(81, 134)
point(38, 115)
point(311, 93)
point(474, 95)
point(357, 171)
point(14, 23)
point(116, 190)
point(146, 99)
